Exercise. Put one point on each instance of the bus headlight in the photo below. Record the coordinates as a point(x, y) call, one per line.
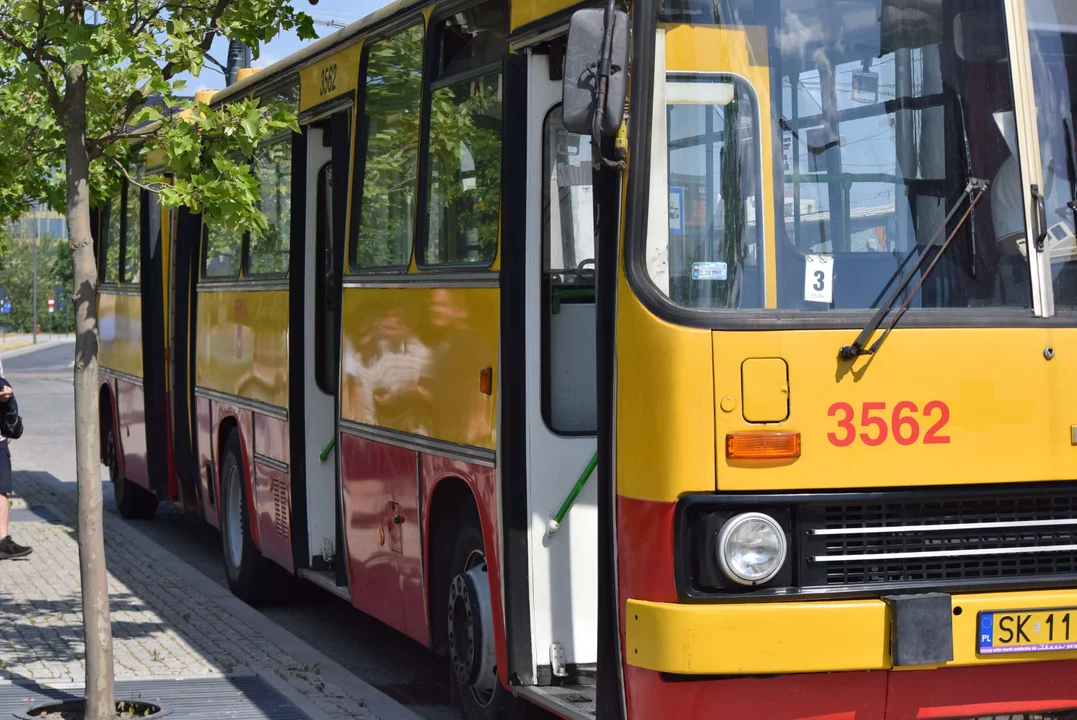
point(751, 548)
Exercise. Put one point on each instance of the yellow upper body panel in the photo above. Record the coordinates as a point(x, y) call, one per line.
point(330, 77)
point(120, 326)
point(933, 407)
point(242, 341)
point(525, 12)
point(665, 404)
point(412, 360)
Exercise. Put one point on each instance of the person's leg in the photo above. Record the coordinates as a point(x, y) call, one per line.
point(8, 547)
point(6, 482)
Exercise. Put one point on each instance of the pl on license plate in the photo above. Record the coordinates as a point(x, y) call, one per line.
point(1025, 631)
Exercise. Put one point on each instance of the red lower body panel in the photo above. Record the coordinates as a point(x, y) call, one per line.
point(131, 406)
point(839, 696)
point(376, 475)
point(979, 691)
point(272, 489)
point(207, 461)
point(945, 694)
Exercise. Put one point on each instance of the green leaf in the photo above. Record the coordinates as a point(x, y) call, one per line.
point(29, 13)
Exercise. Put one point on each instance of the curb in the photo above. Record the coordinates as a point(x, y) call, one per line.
point(69, 683)
point(377, 702)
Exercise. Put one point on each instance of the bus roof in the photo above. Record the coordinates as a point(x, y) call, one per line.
point(329, 43)
point(523, 13)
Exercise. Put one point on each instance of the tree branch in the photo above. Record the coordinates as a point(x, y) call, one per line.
point(167, 73)
point(98, 145)
point(140, 27)
point(126, 173)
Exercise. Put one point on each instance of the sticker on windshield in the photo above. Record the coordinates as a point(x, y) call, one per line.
point(819, 278)
point(710, 271)
point(676, 211)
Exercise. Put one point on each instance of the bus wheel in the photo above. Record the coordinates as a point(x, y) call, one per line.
point(243, 563)
point(133, 502)
point(472, 664)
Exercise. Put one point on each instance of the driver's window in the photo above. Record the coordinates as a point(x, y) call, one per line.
point(567, 221)
point(568, 275)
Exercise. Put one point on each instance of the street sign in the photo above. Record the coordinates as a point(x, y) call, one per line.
point(52, 304)
point(5, 308)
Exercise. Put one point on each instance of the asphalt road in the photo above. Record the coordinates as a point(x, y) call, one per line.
point(388, 660)
point(43, 381)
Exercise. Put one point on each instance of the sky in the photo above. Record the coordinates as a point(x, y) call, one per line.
point(344, 11)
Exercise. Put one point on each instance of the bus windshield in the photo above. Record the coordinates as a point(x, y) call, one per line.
point(812, 150)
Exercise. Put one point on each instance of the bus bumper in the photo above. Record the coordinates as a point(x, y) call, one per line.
point(831, 659)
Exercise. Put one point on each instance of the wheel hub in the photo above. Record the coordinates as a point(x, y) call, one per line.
point(471, 637)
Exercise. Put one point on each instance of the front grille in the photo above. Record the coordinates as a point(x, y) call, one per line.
point(959, 540)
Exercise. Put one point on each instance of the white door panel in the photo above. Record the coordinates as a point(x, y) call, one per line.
point(564, 565)
point(320, 420)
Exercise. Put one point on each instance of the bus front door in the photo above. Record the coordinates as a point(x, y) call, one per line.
point(318, 328)
point(561, 401)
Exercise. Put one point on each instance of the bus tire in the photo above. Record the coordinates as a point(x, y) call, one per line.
point(476, 689)
point(133, 502)
point(243, 563)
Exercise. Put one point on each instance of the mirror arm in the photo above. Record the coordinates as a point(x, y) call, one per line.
point(603, 77)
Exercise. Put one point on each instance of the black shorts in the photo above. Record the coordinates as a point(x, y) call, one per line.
point(5, 469)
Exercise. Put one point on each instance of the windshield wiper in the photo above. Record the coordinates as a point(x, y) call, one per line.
point(973, 191)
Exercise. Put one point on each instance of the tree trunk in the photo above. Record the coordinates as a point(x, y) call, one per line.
point(100, 691)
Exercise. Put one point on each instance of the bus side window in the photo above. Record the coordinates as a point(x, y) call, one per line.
point(463, 175)
point(223, 250)
point(132, 233)
point(110, 242)
point(569, 401)
point(268, 253)
point(383, 235)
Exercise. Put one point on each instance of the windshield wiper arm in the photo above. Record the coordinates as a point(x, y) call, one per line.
point(973, 191)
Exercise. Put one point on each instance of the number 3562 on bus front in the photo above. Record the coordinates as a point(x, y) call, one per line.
point(902, 423)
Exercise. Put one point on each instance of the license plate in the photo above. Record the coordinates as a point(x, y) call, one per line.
point(1027, 631)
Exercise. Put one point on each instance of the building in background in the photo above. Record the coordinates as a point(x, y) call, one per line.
point(41, 222)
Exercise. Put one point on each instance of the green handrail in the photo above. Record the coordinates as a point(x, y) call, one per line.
point(326, 450)
point(560, 293)
point(555, 521)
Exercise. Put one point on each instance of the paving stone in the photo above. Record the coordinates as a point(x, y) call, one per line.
point(162, 627)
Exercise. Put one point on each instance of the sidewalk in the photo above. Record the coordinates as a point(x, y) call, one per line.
point(169, 621)
point(13, 344)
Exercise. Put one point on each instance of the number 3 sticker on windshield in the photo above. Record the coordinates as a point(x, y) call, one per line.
point(818, 278)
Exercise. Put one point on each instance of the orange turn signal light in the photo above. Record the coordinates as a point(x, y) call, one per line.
point(762, 446)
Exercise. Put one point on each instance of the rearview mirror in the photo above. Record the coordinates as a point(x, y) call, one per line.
point(579, 95)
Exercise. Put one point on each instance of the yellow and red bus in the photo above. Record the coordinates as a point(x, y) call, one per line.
point(753, 400)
